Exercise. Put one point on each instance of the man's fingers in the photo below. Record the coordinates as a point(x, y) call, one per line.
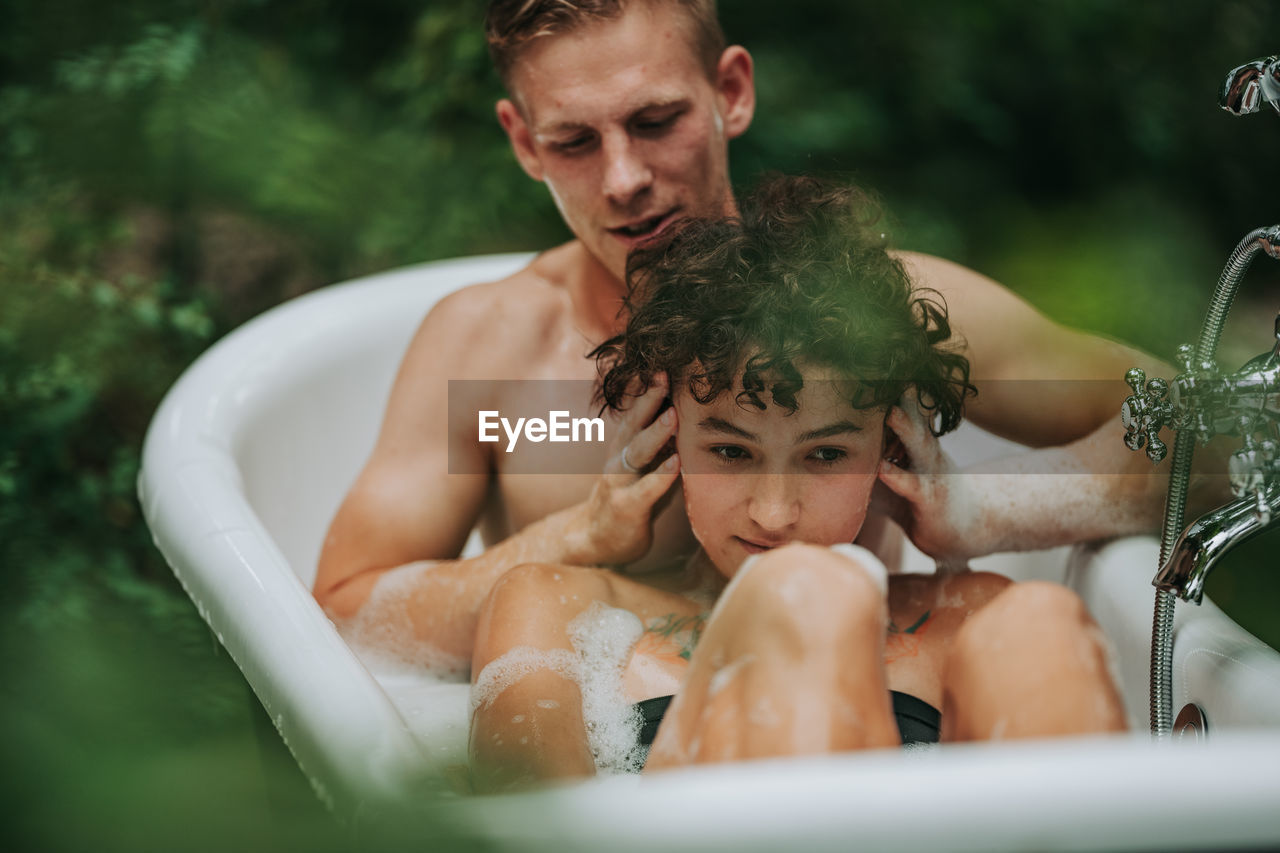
point(912, 426)
point(887, 502)
point(908, 421)
point(903, 483)
point(911, 403)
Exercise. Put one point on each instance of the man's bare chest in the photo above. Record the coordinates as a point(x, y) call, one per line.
point(547, 441)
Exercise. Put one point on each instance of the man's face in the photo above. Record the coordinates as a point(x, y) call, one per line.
point(754, 480)
point(620, 120)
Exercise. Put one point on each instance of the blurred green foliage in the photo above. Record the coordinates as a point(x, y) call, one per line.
point(169, 169)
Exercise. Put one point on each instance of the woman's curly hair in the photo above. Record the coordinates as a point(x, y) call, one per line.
point(802, 277)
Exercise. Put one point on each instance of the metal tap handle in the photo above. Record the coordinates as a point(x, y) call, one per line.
point(1145, 412)
point(1269, 239)
point(1250, 86)
point(1250, 468)
point(1186, 357)
point(1195, 396)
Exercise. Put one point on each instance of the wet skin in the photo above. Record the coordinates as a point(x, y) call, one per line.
point(801, 648)
point(625, 124)
point(757, 479)
point(627, 127)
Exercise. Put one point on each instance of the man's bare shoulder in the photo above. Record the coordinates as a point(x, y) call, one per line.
point(530, 296)
point(497, 324)
point(952, 280)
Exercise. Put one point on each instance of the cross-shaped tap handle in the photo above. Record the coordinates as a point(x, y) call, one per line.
point(1145, 412)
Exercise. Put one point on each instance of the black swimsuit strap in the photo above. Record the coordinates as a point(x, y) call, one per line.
point(651, 712)
point(918, 721)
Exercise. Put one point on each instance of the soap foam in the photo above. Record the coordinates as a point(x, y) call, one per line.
point(944, 596)
point(602, 638)
point(383, 636)
point(516, 664)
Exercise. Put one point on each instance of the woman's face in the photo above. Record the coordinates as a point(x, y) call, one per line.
point(757, 479)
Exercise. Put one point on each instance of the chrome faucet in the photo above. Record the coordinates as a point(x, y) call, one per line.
point(1251, 85)
point(1215, 533)
point(1202, 404)
point(1207, 403)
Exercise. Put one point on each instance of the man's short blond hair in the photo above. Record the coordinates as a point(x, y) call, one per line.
point(511, 25)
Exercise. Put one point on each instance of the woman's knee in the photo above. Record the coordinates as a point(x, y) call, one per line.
point(547, 586)
point(974, 590)
point(1027, 607)
point(530, 604)
point(1033, 620)
point(804, 593)
point(1032, 662)
point(807, 575)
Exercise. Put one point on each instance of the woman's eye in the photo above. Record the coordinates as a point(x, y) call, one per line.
point(828, 455)
point(730, 452)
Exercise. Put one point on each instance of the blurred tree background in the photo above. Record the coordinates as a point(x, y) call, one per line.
point(170, 168)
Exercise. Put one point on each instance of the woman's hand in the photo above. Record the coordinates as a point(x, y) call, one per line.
point(932, 500)
point(617, 517)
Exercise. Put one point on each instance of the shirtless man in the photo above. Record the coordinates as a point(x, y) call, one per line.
point(624, 110)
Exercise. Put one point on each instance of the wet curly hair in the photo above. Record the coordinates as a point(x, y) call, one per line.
point(802, 277)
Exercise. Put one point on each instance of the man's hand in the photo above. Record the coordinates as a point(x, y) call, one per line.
point(617, 518)
point(931, 500)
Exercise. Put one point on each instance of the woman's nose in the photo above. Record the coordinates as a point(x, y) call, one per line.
point(774, 504)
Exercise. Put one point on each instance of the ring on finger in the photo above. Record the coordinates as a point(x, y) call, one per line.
point(626, 463)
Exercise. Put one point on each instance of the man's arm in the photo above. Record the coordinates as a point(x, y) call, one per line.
point(1045, 386)
point(406, 507)
point(1040, 383)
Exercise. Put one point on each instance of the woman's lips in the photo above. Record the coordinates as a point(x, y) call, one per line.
point(756, 547)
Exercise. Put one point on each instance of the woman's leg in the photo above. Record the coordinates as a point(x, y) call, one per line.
point(540, 650)
point(925, 612)
point(789, 664)
point(1031, 663)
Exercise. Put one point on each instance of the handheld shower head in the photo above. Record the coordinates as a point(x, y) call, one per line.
point(1251, 85)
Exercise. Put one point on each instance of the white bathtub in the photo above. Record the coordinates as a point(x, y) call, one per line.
point(251, 451)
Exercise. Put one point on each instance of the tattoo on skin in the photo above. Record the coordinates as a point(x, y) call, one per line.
point(905, 642)
point(671, 636)
point(916, 626)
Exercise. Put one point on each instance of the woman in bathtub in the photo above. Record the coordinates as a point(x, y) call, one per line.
point(798, 362)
